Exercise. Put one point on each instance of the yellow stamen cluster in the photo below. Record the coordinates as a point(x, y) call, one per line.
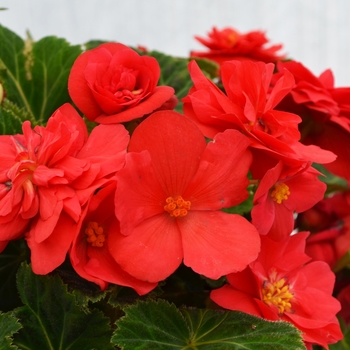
point(177, 207)
point(280, 192)
point(277, 293)
point(95, 234)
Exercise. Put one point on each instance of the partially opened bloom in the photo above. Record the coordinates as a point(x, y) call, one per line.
point(228, 44)
point(281, 284)
point(113, 83)
point(169, 197)
point(280, 194)
point(89, 253)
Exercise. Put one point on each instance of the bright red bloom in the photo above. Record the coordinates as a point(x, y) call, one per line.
point(48, 173)
point(282, 285)
point(282, 192)
point(248, 106)
point(89, 253)
point(228, 44)
point(169, 197)
point(112, 84)
point(325, 111)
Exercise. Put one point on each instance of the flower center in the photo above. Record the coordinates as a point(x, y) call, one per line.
point(177, 207)
point(280, 192)
point(95, 234)
point(277, 293)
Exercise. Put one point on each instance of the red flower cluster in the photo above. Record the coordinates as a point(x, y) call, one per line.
point(130, 210)
point(229, 44)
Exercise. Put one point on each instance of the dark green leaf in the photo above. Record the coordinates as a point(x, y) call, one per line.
point(159, 325)
point(8, 326)
point(35, 74)
point(10, 259)
point(52, 319)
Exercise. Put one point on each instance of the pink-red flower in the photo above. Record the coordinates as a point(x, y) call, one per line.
point(48, 174)
point(249, 106)
point(90, 254)
point(281, 284)
point(169, 199)
point(113, 83)
point(228, 44)
point(280, 194)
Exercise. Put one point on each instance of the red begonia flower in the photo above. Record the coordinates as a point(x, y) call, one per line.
point(228, 44)
point(344, 298)
point(282, 192)
point(48, 173)
point(249, 106)
point(169, 197)
point(325, 111)
point(281, 285)
point(89, 253)
point(113, 83)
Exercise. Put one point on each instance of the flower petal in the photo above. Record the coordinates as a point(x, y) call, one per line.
point(216, 243)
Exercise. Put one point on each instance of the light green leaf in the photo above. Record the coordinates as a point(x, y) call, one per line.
point(8, 326)
point(35, 74)
point(12, 117)
point(52, 319)
point(159, 325)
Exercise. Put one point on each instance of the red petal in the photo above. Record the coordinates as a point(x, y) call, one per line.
point(155, 100)
point(175, 148)
point(152, 252)
point(216, 243)
point(221, 179)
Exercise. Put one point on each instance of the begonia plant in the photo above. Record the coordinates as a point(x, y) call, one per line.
point(156, 202)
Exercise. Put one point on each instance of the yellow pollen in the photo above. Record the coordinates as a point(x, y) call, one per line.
point(280, 192)
point(177, 207)
point(277, 293)
point(95, 234)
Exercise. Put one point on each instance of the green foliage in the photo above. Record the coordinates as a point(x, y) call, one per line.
point(51, 318)
point(10, 259)
point(159, 325)
point(34, 75)
point(8, 326)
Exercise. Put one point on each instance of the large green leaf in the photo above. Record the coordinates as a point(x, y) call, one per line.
point(51, 318)
point(35, 74)
point(159, 326)
point(8, 326)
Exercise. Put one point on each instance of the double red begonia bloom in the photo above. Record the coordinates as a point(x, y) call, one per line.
point(280, 193)
point(113, 83)
point(325, 111)
point(281, 284)
point(248, 106)
point(169, 199)
point(48, 174)
point(228, 44)
point(90, 254)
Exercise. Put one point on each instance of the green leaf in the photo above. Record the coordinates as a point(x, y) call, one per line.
point(35, 74)
point(159, 326)
point(174, 73)
point(10, 259)
point(11, 118)
point(52, 319)
point(8, 326)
